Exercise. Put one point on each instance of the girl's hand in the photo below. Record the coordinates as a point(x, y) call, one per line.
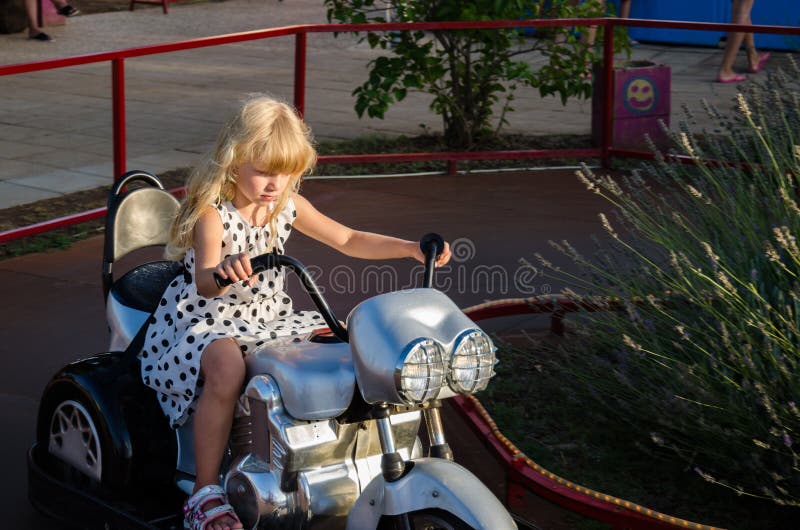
point(442, 260)
point(237, 268)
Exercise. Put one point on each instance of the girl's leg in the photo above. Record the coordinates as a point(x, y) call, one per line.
point(223, 369)
point(741, 15)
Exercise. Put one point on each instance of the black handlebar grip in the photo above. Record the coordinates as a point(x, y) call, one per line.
point(259, 264)
point(426, 244)
point(431, 246)
point(221, 282)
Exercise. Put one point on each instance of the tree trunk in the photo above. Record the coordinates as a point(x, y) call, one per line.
point(12, 16)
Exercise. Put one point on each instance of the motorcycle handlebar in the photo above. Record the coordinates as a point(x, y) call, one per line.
point(431, 245)
point(259, 264)
point(275, 261)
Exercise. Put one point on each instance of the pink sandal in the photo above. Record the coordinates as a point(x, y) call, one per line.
point(735, 78)
point(762, 59)
point(195, 518)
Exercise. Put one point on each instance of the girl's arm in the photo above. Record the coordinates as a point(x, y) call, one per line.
point(208, 256)
point(356, 243)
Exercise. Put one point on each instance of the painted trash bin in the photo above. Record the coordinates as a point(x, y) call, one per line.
point(641, 97)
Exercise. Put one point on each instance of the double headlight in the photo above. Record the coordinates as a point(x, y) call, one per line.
point(427, 367)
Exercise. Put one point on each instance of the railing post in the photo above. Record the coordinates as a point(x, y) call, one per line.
point(118, 112)
point(300, 73)
point(452, 168)
point(608, 93)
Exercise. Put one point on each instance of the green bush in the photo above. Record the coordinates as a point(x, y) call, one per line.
point(472, 75)
point(703, 361)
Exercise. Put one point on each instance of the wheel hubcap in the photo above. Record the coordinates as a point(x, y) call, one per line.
point(74, 439)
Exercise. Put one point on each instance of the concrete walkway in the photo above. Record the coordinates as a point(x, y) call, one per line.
point(55, 126)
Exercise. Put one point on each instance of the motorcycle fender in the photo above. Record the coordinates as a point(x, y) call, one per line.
point(433, 483)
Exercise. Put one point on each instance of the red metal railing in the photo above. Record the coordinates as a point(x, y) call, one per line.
point(117, 59)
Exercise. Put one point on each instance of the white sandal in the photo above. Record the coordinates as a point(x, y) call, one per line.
point(195, 518)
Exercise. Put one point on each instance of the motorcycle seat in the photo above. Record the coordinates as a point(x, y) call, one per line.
point(138, 218)
point(141, 287)
point(316, 380)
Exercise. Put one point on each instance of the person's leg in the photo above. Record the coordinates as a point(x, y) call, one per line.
point(755, 60)
point(741, 15)
point(590, 36)
point(30, 11)
point(625, 12)
point(223, 370)
point(749, 42)
point(591, 32)
point(562, 32)
point(625, 9)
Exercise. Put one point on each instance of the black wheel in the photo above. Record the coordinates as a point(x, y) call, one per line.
point(431, 519)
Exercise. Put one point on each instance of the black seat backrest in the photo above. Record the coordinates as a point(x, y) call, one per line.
point(137, 218)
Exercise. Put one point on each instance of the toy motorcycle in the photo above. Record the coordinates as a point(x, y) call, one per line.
point(325, 434)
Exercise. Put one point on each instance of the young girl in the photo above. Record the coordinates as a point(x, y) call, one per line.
point(242, 201)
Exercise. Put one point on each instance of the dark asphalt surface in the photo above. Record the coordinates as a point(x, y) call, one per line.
point(53, 311)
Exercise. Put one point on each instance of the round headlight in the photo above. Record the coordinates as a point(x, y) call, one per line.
point(421, 374)
point(472, 363)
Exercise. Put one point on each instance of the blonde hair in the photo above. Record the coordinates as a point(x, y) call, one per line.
point(264, 132)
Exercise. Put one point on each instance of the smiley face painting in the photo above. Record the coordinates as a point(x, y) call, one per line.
point(641, 103)
point(640, 95)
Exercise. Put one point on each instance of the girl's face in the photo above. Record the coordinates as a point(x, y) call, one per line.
point(254, 186)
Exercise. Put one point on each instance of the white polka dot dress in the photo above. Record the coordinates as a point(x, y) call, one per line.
point(185, 323)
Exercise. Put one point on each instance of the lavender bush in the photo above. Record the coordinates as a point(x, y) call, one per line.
point(704, 360)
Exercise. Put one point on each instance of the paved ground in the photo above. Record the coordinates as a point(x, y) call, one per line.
point(55, 126)
point(54, 311)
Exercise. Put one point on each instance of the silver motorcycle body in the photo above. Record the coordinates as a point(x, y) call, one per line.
point(296, 461)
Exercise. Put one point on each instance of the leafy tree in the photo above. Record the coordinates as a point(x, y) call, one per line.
point(471, 74)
